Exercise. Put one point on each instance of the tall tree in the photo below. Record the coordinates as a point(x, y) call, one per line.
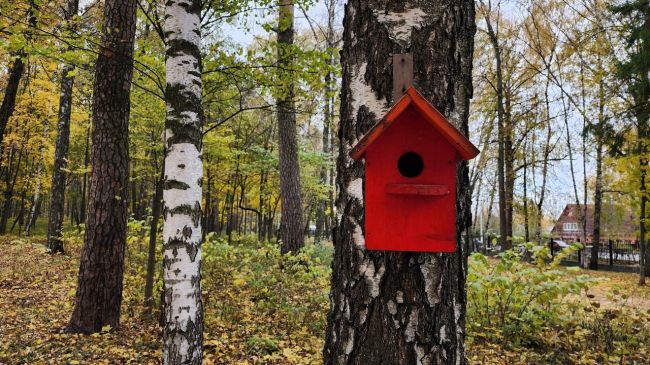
point(398, 307)
point(291, 222)
point(635, 72)
point(99, 285)
point(182, 191)
point(598, 131)
point(16, 72)
point(57, 195)
point(503, 138)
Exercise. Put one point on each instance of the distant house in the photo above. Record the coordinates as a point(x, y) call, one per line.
point(616, 223)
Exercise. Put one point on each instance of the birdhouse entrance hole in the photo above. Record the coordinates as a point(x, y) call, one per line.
point(410, 164)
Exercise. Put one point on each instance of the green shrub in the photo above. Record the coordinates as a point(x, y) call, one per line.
point(512, 300)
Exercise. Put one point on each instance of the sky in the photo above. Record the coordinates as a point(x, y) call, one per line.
point(560, 185)
point(560, 182)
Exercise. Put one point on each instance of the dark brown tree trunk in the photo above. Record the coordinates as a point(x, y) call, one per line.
point(643, 163)
point(525, 178)
point(399, 307)
point(57, 195)
point(84, 188)
point(508, 169)
point(156, 208)
point(11, 176)
point(598, 192)
point(9, 100)
point(322, 218)
point(547, 153)
point(16, 73)
point(99, 285)
point(291, 231)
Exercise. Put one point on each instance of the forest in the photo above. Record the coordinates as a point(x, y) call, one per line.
point(324, 182)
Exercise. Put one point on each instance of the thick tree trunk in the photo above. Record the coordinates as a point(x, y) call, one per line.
point(99, 285)
point(398, 307)
point(182, 192)
point(291, 220)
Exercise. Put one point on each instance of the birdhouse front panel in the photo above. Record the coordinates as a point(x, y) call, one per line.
point(410, 188)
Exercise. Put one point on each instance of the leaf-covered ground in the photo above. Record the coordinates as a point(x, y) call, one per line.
point(261, 308)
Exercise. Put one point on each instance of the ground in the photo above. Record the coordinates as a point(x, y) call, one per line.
point(256, 310)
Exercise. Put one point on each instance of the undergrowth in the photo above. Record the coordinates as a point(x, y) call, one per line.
point(265, 308)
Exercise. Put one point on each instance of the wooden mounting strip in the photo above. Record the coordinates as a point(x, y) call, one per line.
point(402, 74)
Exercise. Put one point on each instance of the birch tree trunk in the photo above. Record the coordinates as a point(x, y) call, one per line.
point(291, 221)
point(398, 307)
point(57, 195)
point(182, 191)
point(99, 285)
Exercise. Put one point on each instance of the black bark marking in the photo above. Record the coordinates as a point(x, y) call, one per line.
point(418, 292)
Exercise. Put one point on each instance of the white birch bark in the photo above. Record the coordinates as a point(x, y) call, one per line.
point(183, 312)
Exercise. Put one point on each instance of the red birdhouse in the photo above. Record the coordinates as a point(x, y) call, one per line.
point(410, 185)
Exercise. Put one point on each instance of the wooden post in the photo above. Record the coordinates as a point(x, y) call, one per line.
point(550, 244)
point(402, 74)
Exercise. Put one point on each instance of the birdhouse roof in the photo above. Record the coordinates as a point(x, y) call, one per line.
point(412, 98)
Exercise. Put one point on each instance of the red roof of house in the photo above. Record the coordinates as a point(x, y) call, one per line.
point(613, 225)
point(412, 98)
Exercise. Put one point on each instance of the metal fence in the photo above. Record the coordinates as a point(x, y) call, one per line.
point(615, 254)
point(610, 253)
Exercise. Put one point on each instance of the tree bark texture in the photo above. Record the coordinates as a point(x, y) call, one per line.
point(642, 227)
point(598, 191)
point(545, 164)
point(504, 240)
point(398, 307)
point(99, 285)
point(182, 190)
point(16, 73)
point(291, 220)
point(36, 198)
point(57, 195)
point(156, 208)
point(11, 92)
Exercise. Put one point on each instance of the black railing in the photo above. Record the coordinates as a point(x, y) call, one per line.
point(616, 254)
point(610, 252)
